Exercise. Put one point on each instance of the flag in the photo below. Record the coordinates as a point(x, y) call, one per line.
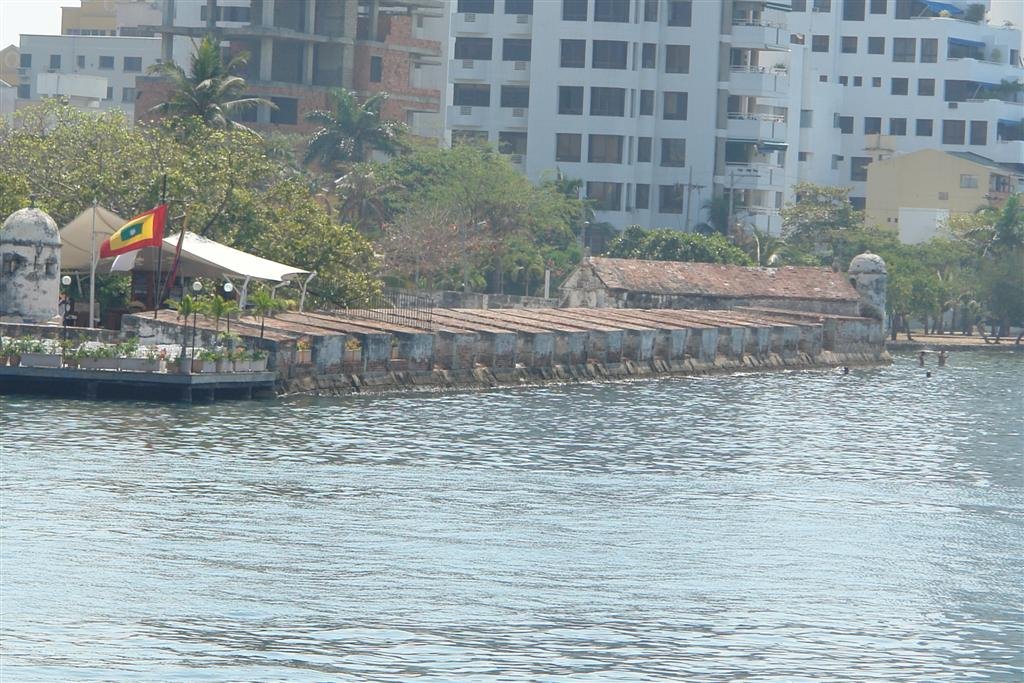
point(145, 230)
point(124, 261)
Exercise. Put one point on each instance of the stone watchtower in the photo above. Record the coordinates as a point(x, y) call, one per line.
point(869, 277)
point(29, 267)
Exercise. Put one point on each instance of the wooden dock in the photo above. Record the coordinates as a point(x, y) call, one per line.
point(99, 384)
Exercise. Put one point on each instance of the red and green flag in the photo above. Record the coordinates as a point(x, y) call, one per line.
point(145, 230)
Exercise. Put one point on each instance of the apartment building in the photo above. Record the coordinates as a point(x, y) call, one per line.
point(92, 72)
point(658, 105)
point(300, 49)
point(109, 18)
point(885, 77)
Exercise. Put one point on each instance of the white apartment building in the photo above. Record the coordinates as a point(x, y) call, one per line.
point(658, 105)
point(96, 72)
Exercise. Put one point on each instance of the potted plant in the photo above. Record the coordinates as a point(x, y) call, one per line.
point(205, 361)
point(35, 353)
point(69, 353)
point(98, 357)
point(224, 358)
point(126, 354)
point(303, 352)
point(6, 345)
point(149, 359)
point(258, 360)
point(240, 359)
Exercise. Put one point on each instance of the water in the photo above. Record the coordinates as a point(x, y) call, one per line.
point(781, 527)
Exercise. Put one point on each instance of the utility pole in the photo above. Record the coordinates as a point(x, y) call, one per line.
point(690, 187)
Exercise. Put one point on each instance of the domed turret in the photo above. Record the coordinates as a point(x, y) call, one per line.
point(868, 275)
point(29, 267)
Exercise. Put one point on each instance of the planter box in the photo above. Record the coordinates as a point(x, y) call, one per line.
point(99, 363)
point(243, 366)
point(223, 365)
point(142, 364)
point(259, 365)
point(304, 356)
point(204, 366)
point(40, 360)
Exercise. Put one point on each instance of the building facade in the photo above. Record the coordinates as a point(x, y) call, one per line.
point(659, 105)
point(914, 194)
point(300, 49)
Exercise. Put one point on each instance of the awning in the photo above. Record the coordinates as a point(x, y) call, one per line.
point(967, 43)
point(937, 7)
point(76, 237)
point(1011, 122)
point(772, 146)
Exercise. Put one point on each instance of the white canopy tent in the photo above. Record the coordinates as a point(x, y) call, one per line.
point(76, 238)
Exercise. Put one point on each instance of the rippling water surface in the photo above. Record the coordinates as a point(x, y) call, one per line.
point(784, 527)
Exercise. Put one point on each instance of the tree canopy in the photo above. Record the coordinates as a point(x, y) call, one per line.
point(672, 245)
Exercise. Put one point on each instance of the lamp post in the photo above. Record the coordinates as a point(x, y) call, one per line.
point(66, 313)
point(228, 288)
point(197, 287)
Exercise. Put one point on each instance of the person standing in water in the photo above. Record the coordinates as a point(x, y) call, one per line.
point(942, 359)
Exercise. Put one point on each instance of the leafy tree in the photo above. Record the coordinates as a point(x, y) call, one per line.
point(211, 89)
point(666, 244)
point(362, 193)
point(351, 130)
point(820, 219)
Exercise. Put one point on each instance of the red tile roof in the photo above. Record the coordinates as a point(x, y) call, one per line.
point(713, 279)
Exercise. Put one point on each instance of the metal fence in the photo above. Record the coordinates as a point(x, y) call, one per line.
point(397, 307)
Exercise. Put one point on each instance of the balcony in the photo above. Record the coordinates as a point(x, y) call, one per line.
point(756, 127)
point(511, 71)
point(523, 24)
point(470, 22)
point(462, 115)
point(509, 117)
point(978, 70)
point(758, 81)
point(470, 69)
point(752, 176)
point(759, 36)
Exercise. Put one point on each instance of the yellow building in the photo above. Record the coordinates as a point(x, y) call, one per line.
point(93, 18)
point(914, 194)
point(9, 62)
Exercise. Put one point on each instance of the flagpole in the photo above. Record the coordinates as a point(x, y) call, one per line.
point(159, 253)
point(92, 266)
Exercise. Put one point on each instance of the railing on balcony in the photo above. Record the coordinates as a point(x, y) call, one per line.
point(768, 118)
point(774, 70)
point(762, 24)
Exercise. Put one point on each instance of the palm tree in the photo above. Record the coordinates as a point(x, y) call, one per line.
point(209, 90)
point(363, 196)
point(351, 130)
point(264, 304)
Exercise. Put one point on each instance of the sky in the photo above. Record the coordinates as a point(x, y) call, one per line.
point(43, 16)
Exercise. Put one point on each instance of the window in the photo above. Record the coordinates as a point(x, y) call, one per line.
point(606, 196)
point(968, 182)
point(670, 199)
point(469, 137)
point(803, 156)
point(929, 50)
point(899, 86)
point(570, 99)
point(675, 106)
point(806, 118)
point(574, 10)
point(843, 80)
point(898, 126)
point(518, 6)
point(515, 50)
point(25, 92)
point(473, 48)
point(110, 93)
point(611, 10)
point(54, 61)
point(376, 69)
point(859, 168)
point(25, 61)
point(673, 152)
point(605, 149)
point(643, 150)
point(133, 64)
point(953, 132)
point(287, 110)
point(904, 49)
point(471, 95)
point(574, 54)
point(647, 59)
point(128, 94)
point(926, 86)
point(872, 125)
point(823, 78)
point(511, 143)
point(106, 62)
point(876, 45)
point(979, 133)
point(799, 5)
point(567, 146)
point(516, 96)
point(858, 81)
point(476, 6)
point(853, 10)
point(651, 10)
point(848, 45)
point(646, 103)
point(879, 6)
point(643, 196)
point(876, 81)
point(845, 124)
point(680, 12)
point(923, 128)
point(609, 54)
point(822, 5)
point(677, 59)
point(904, 9)
point(819, 43)
point(607, 101)
point(80, 61)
